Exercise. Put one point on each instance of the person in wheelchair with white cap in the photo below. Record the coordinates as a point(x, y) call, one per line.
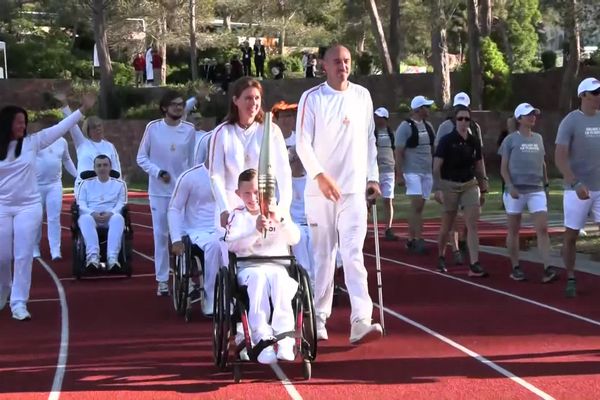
point(101, 200)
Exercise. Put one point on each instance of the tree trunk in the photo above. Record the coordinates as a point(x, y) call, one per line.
point(360, 46)
point(439, 54)
point(384, 54)
point(193, 47)
point(282, 40)
point(485, 17)
point(394, 37)
point(106, 103)
point(571, 68)
point(162, 48)
point(475, 56)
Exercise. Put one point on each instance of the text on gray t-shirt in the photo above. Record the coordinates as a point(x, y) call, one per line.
point(525, 156)
point(582, 134)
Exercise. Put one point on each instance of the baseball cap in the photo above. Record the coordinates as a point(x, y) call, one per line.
point(525, 109)
point(588, 85)
point(461, 99)
point(420, 101)
point(382, 112)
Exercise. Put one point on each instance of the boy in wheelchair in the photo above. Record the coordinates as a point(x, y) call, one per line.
point(269, 279)
point(100, 201)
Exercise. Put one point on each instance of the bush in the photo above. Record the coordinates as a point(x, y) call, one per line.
point(123, 74)
point(364, 64)
point(548, 59)
point(178, 74)
point(51, 115)
point(145, 112)
point(291, 63)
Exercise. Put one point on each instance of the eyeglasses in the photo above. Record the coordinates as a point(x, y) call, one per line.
point(466, 119)
point(177, 103)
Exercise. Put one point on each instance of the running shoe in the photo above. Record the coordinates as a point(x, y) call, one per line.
point(458, 257)
point(571, 290)
point(517, 274)
point(477, 271)
point(163, 289)
point(390, 235)
point(550, 274)
point(442, 265)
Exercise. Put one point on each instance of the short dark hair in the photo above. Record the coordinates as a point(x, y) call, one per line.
point(103, 157)
point(458, 108)
point(247, 176)
point(166, 100)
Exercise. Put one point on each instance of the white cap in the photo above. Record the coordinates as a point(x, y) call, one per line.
point(588, 85)
point(525, 109)
point(382, 112)
point(461, 99)
point(420, 101)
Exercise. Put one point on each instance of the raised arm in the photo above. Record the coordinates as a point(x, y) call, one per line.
point(116, 163)
point(67, 162)
point(75, 131)
point(143, 155)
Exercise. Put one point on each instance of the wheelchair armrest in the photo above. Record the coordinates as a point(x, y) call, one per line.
point(91, 174)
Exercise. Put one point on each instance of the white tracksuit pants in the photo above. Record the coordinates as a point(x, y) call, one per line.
point(160, 229)
point(88, 225)
point(304, 254)
point(215, 256)
point(18, 225)
point(52, 203)
point(346, 219)
point(262, 281)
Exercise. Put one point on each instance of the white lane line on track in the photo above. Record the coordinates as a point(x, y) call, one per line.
point(63, 352)
point(141, 226)
point(41, 300)
point(100, 277)
point(491, 289)
point(502, 371)
point(287, 384)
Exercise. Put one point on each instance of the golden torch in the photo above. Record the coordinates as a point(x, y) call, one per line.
point(266, 179)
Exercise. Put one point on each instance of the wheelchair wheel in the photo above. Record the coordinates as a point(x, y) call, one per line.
point(78, 256)
point(222, 319)
point(309, 321)
point(181, 283)
point(125, 256)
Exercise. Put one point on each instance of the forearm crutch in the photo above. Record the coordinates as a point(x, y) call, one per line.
point(378, 265)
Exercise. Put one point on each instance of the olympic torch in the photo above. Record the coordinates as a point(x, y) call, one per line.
point(266, 179)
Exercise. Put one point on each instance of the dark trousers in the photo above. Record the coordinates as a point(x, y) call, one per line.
point(260, 67)
point(247, 68)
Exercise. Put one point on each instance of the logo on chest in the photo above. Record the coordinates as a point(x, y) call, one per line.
point(346, 121)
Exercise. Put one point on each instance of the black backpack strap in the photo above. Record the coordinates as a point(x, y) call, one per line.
point(392, 139)
point(413, 139)
point(430, 132)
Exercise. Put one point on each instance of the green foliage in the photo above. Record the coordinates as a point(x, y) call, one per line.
point(123, 74)
point(415, 60)
point(50, 115)
point(496, 75)
point(178, 74)
point(291, 63)
point(522, 22)
point(146, 112)
point(548, 59)
point(364, 64)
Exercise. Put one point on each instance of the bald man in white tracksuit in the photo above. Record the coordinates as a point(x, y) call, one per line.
point(192, 213)
point(48, 168)
point(102, 194)
point(165, 149)
point(334, 139)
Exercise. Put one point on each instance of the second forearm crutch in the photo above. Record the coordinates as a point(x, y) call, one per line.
point(378, 265)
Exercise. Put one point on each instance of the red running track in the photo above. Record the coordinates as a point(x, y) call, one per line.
point(124, 342)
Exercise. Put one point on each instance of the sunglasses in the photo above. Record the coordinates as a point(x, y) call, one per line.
point(466, 119)
point(595, 92)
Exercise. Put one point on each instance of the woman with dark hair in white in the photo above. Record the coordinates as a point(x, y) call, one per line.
point(20, 205)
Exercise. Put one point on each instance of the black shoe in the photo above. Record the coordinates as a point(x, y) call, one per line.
point(458, 257)
point(390, 235)
point(442, 265)
point(476, 271)
point(517, 274)
point(410, 245)
point(419, 246)
point(462, 246)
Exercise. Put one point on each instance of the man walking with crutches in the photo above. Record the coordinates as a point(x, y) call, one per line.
point(335, 142)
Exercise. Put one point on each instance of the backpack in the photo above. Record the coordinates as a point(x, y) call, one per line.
point(391, 135)
point(413, 140)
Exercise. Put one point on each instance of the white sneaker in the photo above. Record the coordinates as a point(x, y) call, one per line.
point(285, 349)
point(163, 289)
point(267, 356)
point(321, 330)
point(20, 313)
point(363, 331)
point(56, 256)
point(113, 262)
point(4, 294)
point(207, 306)
point(93, 261)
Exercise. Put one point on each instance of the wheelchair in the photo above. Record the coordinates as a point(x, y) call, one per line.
point(186, 266)
point(79, 266)
point(230, 308)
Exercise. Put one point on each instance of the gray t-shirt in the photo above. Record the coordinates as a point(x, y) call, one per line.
point(447, 127)
point(582, 134)
point(385, 154)
point(525, 161)
point(417, 160)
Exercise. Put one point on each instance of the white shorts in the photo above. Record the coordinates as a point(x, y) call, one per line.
point(576, 210)
point(535, 202)
point(386, 184)
point(418, 184)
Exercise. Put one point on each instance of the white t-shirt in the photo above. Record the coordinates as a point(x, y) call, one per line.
point(334, 135)
point(167, 148)
point(49, 163)
point(18, 182)
point(98, 196)
point(192, 206)
point(234, 150)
